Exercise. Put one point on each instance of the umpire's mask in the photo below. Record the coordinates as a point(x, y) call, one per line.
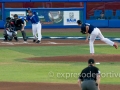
point(15, 16)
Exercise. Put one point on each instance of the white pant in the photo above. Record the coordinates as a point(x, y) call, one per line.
point(97, 33)
point(36, 29)
point(10, 33)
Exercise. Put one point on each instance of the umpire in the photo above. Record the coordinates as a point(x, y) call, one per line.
point(19, 25)
point(89, 78)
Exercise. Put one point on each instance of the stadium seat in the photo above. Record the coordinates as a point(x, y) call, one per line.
point(114, 17)
point(108, 14)
point(117, 14)
point(92, 18)
point(97, 13)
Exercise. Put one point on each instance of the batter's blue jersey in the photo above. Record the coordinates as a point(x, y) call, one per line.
point(22, 17)
point(91, 27)
point(34, 18)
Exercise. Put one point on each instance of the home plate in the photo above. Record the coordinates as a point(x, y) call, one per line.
point(7, 43)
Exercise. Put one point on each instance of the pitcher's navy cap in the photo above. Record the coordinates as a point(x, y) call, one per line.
point(79, 22)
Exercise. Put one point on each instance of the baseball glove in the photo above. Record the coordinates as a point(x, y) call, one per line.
point(83, 32)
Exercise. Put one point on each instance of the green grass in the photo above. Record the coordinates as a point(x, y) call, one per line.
point(106, 34)
point(15, 67)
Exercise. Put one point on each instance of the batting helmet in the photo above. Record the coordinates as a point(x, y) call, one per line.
point(28, 9)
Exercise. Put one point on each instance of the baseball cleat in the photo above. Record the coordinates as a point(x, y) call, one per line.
point(92, 53)
point(5, 40)
point(16, 39)
point(25, 42)
point(38, 41)
point(115, 45)
point(34, 40)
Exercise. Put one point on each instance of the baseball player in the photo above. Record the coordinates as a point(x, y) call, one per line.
point(94, 32)
point(19, 25)
point(9, 31)
point(89, 78)
point(36, 25)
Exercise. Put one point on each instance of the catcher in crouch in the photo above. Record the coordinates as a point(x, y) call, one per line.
point(9, 31)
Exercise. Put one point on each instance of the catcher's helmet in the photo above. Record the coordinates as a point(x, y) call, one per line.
point(79, 22)
point(8, 19)
point(15, 15)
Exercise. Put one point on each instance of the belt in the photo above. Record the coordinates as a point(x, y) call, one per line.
point(35, 23)
point(88, 79)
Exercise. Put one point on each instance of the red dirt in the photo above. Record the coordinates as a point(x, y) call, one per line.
point(48, 86)
point(58, 42)
point(49, 42)
point(83, 58)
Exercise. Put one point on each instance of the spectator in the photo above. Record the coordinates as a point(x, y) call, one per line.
point(102, 17)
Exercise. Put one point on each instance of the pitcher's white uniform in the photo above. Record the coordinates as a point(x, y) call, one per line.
point(95, 32)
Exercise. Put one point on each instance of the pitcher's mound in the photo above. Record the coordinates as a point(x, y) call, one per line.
point(84, 58)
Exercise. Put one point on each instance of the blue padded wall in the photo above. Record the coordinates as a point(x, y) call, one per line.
point(39, 0)
point(5, 0)
point(21, 0)
point(77, 0)
point(1, 24)
point(114, 23)
point(59, 0)
point(94, 0)
point(98, 23)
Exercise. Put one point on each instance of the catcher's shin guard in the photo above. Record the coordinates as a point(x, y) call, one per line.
point(5, 36)
point(24, 35)
point(16, 39)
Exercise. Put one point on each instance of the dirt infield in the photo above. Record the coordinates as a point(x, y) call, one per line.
point(83, 58)
point(48, 42)
point(48, 86)
point(58, 42)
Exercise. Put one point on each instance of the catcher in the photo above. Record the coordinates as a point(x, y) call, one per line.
point(9, 31)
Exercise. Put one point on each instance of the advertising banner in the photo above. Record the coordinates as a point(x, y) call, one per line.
point(50, 17)
point(53, 18)
point(19, 13)
point(71, 17)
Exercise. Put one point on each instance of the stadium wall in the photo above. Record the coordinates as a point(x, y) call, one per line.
point(82, 9)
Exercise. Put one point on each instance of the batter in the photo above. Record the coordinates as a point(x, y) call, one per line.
point(36, 25)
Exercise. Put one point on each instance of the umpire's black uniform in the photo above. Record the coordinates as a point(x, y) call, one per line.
point(88, 77)
point(18, 26)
